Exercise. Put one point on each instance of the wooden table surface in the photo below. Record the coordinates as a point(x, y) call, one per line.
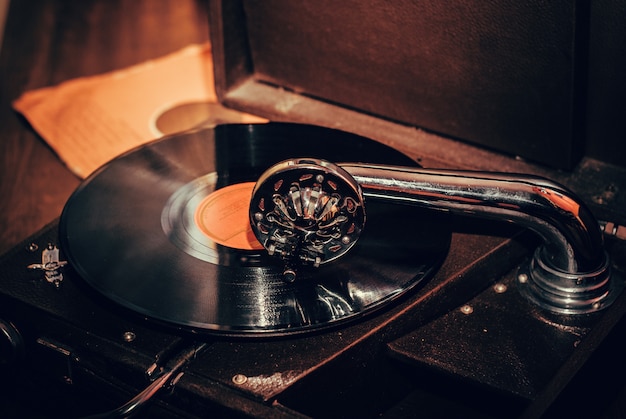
point(47, 42)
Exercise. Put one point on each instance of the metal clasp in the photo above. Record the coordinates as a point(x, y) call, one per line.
point(50, 265)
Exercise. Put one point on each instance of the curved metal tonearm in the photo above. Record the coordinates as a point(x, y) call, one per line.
point(569, 273)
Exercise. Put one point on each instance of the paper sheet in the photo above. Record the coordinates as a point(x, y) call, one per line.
point(91, 120)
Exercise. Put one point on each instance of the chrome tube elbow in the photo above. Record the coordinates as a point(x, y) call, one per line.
point(569, 273)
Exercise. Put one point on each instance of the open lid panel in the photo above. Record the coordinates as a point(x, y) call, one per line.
point(508, 76)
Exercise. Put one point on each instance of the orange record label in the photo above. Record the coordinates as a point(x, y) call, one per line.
point(223, 217)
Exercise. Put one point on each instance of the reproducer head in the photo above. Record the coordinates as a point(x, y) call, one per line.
point(307, 211)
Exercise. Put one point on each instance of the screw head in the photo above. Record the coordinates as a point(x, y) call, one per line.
point(467, 309)
point(499, 288)
point(239, 379)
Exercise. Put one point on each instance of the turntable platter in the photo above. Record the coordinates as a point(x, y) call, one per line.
point(158, 231)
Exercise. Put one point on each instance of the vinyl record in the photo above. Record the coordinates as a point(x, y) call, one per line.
point(163, 231)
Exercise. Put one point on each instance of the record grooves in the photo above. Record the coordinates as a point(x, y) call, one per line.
point(134, 231)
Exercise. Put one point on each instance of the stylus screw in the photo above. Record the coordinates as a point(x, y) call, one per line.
point(289, 275)
point(129, 336)
point(522, 278)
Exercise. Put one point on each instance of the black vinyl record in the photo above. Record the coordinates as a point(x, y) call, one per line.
point(143, 231)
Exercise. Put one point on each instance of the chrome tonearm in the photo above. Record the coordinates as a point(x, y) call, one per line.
point(312, 211)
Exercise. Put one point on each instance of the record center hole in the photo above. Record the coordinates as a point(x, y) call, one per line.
point(223, 217)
